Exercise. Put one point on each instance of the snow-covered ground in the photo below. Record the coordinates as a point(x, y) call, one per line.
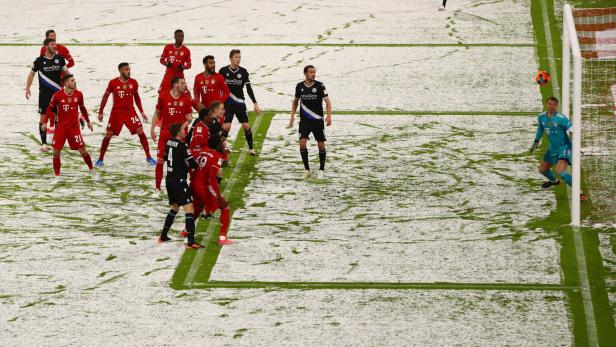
point(78, 265)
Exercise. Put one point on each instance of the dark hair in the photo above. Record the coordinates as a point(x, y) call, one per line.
point(213, 141)
point(308, 67)
point(178, 31)
point(552, 98)
point(66, 78)
point(234, 52)
point(174, 129)
point(121, 65)
point(214, 105)
point(49, 32)
point(48, 41)
point(175, 80)
point(204, 112)
point(206, 58)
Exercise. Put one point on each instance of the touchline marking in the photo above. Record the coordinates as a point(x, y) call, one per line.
point(578, 244)
point(284, 44)
point(194, 266)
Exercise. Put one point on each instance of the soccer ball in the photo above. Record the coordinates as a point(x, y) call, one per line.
point(542, 78)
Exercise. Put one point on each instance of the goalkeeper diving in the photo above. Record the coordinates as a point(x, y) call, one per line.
point(555, 125)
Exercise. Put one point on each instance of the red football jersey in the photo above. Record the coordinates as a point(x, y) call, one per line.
point(212, 166)
point(63, 52)
point(68, 108)
point(211, 88)
point(177, 57)
point(125, 94)
point(200, 136)
point(173, 110)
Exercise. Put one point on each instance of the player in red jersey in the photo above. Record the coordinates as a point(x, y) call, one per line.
point(60, 50)
point(69, 102)
point(211, 86)
point(210, 159)
point(172, 107)
point(176, 57)
point(125, 92)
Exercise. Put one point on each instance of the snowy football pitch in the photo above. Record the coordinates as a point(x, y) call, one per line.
point(429, 228)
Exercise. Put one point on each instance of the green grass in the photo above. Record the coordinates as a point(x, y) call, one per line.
point(287, 44)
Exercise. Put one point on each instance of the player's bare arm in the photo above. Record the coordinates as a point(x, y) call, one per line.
point(29, 83)
point(153, 127)
point(328, 108)
point(293, 109)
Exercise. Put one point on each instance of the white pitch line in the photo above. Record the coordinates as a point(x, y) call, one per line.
point(194, 266)
point(578, 244)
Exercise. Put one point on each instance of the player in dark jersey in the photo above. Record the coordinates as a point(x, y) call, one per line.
point(179, 159)
point(310, 94)
point(236, 78)
point(50, 68)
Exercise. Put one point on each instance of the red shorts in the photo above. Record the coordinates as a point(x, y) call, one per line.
point(118, 119)
point(198, 181)
point(72, 134)
point(211, 200)
point(162, 143)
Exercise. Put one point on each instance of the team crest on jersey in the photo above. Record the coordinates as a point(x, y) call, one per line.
point(314, 90)
point(213, 81)
point(181, 53)
point(56, 61)
point(181, 103)
point(130, 86)
point(239, 75)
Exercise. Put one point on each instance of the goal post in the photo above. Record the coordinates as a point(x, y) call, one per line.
point(571, 50)
point(589, 99)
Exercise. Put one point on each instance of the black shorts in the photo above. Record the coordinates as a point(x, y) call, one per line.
point(235, 109)
point(178, 191)
point(316, 128)
point(44, 100)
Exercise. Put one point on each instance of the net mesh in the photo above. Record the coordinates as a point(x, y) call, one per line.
point(596, 30)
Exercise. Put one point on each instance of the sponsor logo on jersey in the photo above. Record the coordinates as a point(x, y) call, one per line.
point(56, 61)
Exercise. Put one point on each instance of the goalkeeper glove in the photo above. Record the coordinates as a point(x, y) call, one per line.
point(534, 146)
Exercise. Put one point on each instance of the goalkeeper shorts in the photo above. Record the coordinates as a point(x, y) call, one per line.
point(553, 156)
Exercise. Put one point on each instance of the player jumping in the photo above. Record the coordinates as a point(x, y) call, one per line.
point(125, 95)
point(309, 94)
point(236, 77)
point(172, 107)
point(176, 58)
point(50, 68)
point(556, 125)
point(69, 102)
point(178, 159)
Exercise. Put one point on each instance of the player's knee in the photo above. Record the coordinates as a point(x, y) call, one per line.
point(159, 161)
point(140, 131)
point(248, 131)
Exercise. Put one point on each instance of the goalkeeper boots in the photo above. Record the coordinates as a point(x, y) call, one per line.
point(548, 184)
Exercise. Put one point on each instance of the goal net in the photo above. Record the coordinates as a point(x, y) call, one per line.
point(589, 98)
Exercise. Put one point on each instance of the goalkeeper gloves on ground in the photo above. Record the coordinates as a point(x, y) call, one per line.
point(534, 146)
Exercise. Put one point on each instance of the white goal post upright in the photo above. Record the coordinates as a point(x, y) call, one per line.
point(571, 48)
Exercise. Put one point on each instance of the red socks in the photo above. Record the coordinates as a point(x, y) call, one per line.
point(87, 160)
point(145, 145)
point(56, 165)
point(104, 147)
point(224, 221)
point(159, 173)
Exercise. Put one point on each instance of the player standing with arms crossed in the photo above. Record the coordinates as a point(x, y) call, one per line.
point(125, 92)
point(236, 77)
point(173, 107)
point(69, 102)
point(50, 68)
point(310, 94)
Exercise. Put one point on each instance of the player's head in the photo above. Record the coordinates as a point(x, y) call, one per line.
point(50, 34)
point(176, 130)
point(178, 84)
point(310, 72)
point(204, 113)
point(178, 35)
point(209, 63)
point(235, 56)
point(215, 143)
point(68, 81)
point(50, 44)
point(552, 103)
point(124, 69)
point(217, 109)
